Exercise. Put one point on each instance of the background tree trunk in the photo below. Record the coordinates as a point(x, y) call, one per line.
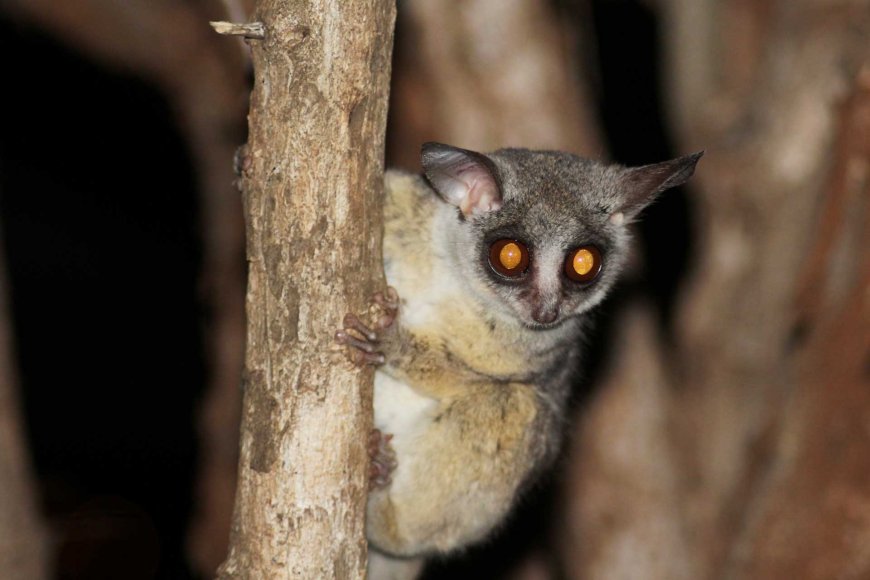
point(739, 446)
point(24, 553)
point(312, 182)
point(204, 77)
point(484, 74)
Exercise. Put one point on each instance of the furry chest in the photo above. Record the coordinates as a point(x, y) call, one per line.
point(400, 410)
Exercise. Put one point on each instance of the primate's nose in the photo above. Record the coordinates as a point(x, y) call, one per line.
point(545, 314)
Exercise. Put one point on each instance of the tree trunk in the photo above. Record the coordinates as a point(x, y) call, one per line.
point(464, 78)
point(24, 551)
point(756, 415)
point(312, 181)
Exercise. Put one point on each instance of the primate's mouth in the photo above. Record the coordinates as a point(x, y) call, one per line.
point(535, 325)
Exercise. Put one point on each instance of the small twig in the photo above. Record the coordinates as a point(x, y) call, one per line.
point(252, 30)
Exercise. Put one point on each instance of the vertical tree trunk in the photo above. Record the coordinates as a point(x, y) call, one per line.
point(759, 429)
point(23, 542)
point(776, 138)
point(312, 181)
point(484, 74)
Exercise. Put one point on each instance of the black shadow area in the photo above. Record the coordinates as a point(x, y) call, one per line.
point(99, 223)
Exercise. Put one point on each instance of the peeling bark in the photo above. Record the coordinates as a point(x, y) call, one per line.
point(312, 182)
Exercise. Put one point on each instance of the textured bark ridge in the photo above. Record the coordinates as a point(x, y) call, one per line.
point(312, 181)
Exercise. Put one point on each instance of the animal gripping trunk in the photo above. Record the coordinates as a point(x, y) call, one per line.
point(312, 183)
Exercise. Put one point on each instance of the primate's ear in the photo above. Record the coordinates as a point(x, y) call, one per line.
point(640, 185)
point(463, 178)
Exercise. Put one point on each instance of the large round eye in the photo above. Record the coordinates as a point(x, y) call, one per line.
point(583, 264)
point(509, 257)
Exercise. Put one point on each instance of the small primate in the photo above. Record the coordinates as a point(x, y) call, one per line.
point(493, 262)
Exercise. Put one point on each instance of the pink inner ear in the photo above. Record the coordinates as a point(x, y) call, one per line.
point(482, 196)
point(463, 178)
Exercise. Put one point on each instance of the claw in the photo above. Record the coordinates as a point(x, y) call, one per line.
point(351, 321)
point(383, 460)
point(370, 358)
point(362, 338)
point(347, 339)
point(363, 351)
point(388, 300)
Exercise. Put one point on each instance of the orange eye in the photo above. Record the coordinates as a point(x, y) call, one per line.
point(509, 257)
point(583, 264)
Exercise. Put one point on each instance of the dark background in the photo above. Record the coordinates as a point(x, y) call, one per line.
point(99, 218)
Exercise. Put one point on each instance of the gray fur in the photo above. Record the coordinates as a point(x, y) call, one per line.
point(554, 202)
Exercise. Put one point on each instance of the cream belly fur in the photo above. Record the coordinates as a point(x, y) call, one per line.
point(405, 414)
point(399, 409)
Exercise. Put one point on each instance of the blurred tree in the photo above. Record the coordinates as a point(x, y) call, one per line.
point(205, 79)
point(484, 74)
point(24, 553)
point(741, 451)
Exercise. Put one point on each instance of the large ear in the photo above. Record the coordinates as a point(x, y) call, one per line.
point(463, 178)
point(640, 185)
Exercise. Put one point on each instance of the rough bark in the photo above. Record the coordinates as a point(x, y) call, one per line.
point(24, 553)
point(764, 408)
point(484, 74)
point(312, 177)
